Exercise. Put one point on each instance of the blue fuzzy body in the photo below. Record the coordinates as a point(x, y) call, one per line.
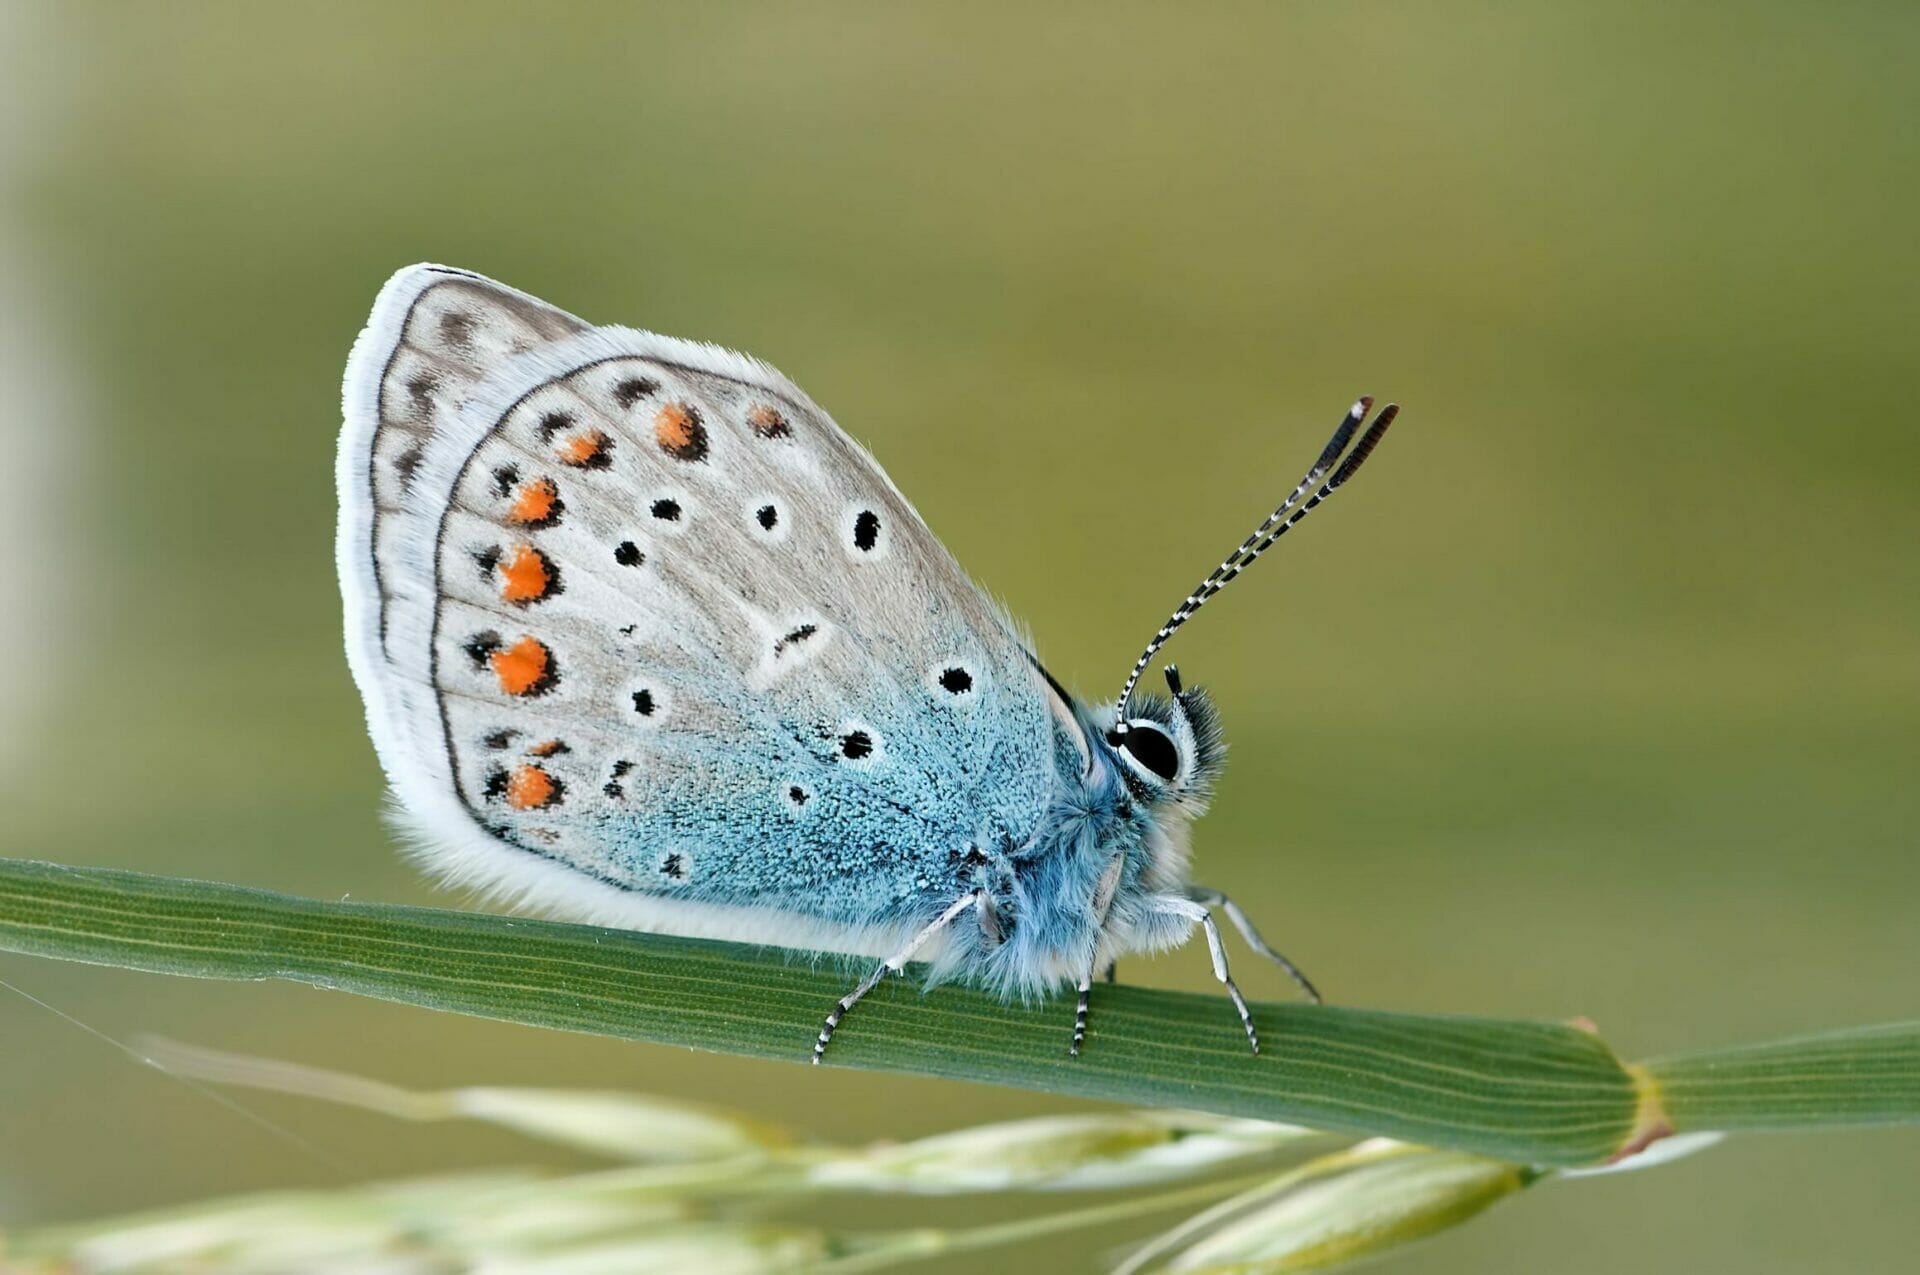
point(1096, 831)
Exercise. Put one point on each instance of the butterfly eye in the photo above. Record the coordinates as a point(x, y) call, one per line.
point(1150, 747)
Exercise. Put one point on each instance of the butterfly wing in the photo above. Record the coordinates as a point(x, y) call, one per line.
point(644, 637)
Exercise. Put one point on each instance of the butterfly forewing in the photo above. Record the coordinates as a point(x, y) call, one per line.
point(640, 612)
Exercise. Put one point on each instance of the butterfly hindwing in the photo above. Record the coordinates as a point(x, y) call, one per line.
point(642, 631)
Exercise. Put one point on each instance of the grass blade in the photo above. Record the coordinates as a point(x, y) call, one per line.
point(1533, 1093)
point(1864, 1076)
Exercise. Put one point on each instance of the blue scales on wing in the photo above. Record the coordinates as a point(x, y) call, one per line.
point(644, 634)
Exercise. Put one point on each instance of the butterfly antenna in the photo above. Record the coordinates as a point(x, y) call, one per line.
point(1277, 524)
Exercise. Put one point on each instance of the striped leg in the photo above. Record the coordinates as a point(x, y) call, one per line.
point(1085, 987)
point(1080, 1016)
point(892, 965)
point(1214, 899)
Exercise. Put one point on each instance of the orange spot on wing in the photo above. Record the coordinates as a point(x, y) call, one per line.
point(530, 788)
point(526, 576)
point(587, 448)
point(766, 421)
point(673, 426)
point(547, 748)
point(524, 668)
point(677, 428)
point(536, 502)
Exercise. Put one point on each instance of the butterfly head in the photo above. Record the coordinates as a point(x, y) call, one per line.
point(1170, 749)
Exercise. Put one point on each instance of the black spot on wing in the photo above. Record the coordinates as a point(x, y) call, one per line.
point(456, 329)
point(407, 464)
point(632, 389)
point(794, 638)
point(480, 646)
point(420, 391)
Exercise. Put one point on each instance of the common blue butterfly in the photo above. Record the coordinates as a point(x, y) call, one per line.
point(645, 639)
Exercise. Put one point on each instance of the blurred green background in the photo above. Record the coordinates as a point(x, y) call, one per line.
point(1600, 695)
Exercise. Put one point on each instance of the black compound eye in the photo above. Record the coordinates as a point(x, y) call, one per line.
point(1152, 747)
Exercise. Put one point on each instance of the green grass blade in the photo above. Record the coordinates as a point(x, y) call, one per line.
point(1866, 1076)
point(1534, 1092)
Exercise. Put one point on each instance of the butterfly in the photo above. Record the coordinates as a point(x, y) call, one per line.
point(646, 640)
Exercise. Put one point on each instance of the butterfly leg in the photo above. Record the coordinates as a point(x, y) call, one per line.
point(892, 965)
point(1085, 988)
point(1194, 910)
point(1214, 899)
point(1219, 953)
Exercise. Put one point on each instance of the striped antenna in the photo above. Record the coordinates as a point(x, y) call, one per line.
point(1277, 524)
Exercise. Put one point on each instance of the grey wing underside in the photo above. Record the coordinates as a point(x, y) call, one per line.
point(644, 637)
